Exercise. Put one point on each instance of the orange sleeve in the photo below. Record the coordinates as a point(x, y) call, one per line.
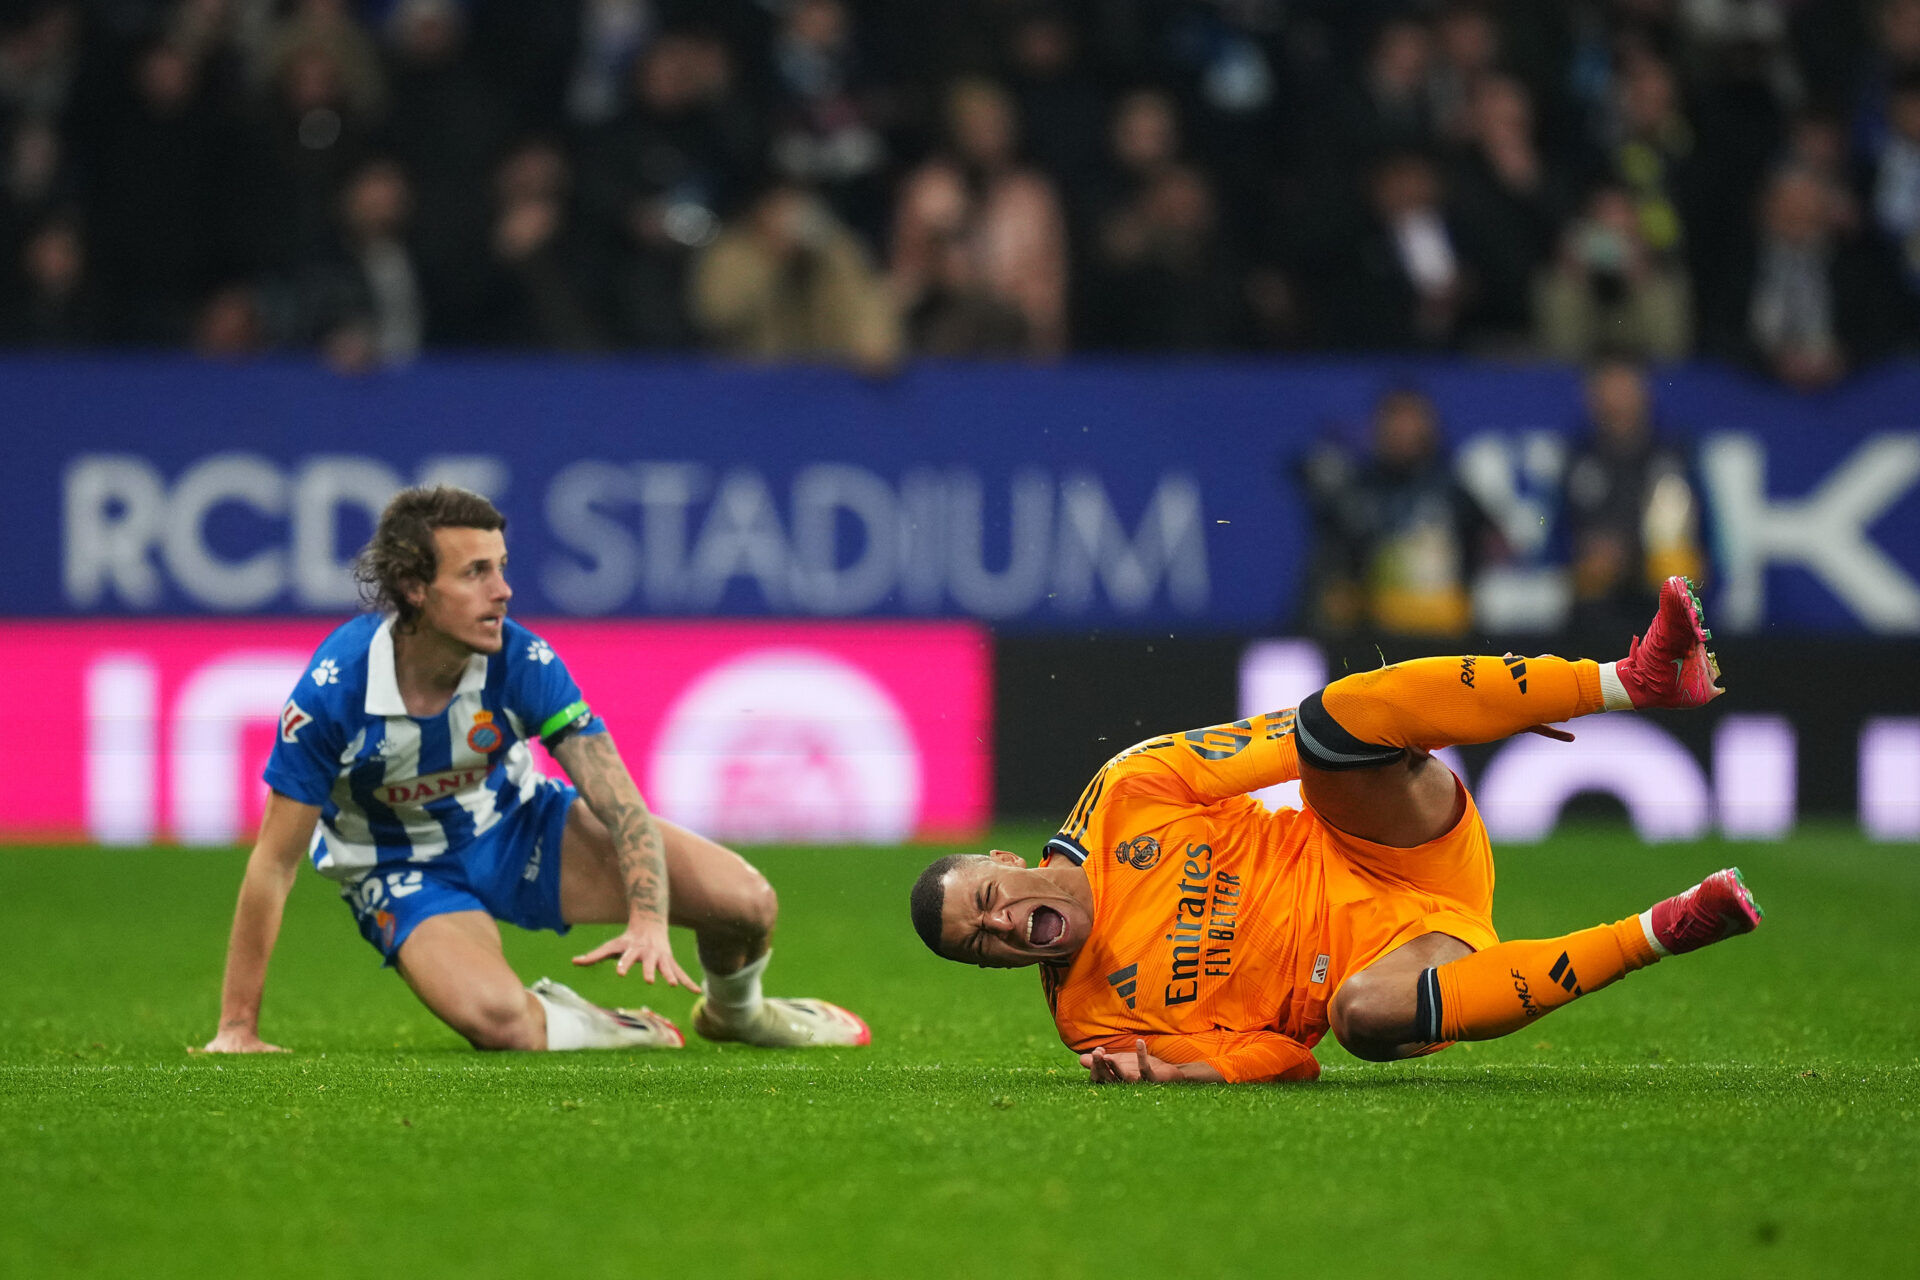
point(1242, 1057)
point(1202, 766)
point(1163, 778)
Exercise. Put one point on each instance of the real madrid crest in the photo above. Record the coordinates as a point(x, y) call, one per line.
point(484, 737)
point(1140, 853)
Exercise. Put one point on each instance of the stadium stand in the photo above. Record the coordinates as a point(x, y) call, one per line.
point(1656, 178)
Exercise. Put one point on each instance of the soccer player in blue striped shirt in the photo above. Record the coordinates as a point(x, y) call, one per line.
point(403, 769)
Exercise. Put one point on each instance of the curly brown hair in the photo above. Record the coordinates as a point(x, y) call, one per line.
point(401, 553)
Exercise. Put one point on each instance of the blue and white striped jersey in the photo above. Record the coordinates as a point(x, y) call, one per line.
point(397, 788)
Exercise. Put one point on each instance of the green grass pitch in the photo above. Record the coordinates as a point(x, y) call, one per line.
point(1746, 1111)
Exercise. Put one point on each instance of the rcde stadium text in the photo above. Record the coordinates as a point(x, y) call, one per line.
point(652, 536)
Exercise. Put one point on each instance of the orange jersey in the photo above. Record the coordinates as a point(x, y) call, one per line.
point(1221, 929)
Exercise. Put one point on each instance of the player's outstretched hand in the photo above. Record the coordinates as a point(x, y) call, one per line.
point(1129, 1068)
point(645, 945)
point(236, 1040)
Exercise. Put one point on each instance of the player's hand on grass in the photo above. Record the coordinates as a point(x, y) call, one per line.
point(1129, 1068)
point(238, 1040)
point(643, 943)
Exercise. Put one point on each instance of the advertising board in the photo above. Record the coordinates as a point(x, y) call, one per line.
point(805, 732)
point(1809, 730)
point(1136, 497)
point(1746, 787)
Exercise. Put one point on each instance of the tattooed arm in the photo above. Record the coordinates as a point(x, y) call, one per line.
point(594, 764)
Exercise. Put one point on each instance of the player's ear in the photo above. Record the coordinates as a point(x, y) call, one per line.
point(1006, 859)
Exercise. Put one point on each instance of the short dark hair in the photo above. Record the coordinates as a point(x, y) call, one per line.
point(401, 553)
point(929, 899)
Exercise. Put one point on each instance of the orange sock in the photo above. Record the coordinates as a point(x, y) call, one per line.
point(1439, 702)
point(1511, 984)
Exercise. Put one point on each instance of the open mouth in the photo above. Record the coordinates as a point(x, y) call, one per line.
point(1045, 927)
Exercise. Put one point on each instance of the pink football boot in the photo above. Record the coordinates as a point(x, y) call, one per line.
point(1672, 666)
point(1718, 907)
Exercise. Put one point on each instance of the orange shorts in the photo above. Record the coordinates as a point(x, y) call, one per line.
point(1379, 897)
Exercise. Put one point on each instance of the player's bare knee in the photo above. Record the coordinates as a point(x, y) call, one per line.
point(766, 905)
point(737, 915)
point(752, 910)
point(1370, 1018)
point(499, 1021)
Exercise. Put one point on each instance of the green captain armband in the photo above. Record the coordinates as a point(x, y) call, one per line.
point(561, 724)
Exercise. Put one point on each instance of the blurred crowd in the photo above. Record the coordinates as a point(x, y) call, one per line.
point(858, 181)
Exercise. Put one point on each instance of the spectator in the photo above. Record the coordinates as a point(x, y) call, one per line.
point(329, 29)
point(1404, 281)
point(1398, 540)
point(1826, 43)
point(212, 32)
point(1065, 114)
point(156, 226)
point(1143, 141)
point(1164, 280)
point(1632, 516)
point(57, 304)
point(959, 316)
point(1645, 27)
point(607, 37)
point(1607, 291)
point(978, 199)
point(1653, 151)
point(656, 183)
point(39, 59)
point(1812, 303)
point(789, 281)
point(1897, 29)
point(1896, 177)
point(1219, 56)
point(739, 120)
point(1743, 40)
point(230, 325)
point(1390, 108)
point(366, 305)
point(299, 152)
point(824, 133)
point(445, 130)
point(1227, 64)
point(561, 65)
point(34, 177)
point(536, 295)
point(33, 182)
point(1817, 142)
point(1739, 93)
point(1508, 202)
point(1466, 52)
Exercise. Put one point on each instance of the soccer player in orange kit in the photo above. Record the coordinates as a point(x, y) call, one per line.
point(1185, 932)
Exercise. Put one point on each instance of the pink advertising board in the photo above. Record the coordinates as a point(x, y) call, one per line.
point(139, 732)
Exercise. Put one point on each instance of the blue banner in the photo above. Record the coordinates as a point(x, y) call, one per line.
point(1089, 495)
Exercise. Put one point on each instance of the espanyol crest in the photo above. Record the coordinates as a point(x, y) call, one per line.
point(485, 734)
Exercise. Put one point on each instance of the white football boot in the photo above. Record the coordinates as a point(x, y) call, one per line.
point(782, 1023)
point(613, 1028)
